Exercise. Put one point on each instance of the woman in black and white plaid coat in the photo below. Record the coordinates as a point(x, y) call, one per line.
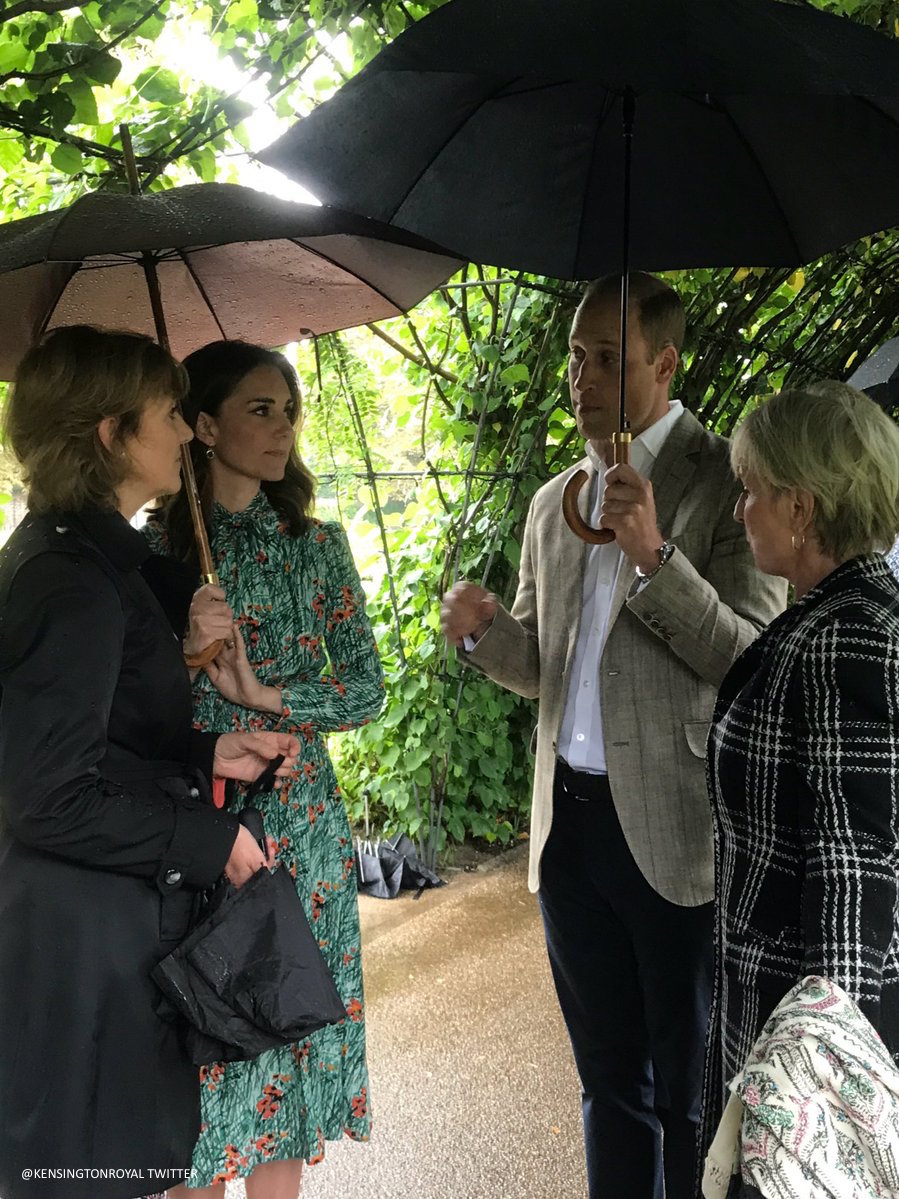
point(804, 747)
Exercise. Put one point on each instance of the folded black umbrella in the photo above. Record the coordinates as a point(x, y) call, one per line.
point(391, 866)
point(250, 975)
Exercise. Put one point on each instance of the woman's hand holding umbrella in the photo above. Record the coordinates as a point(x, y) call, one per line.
point(210, 620)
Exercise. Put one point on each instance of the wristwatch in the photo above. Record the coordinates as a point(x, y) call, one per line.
point(666, 549)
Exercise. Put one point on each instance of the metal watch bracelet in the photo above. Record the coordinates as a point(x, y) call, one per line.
point(666, 549)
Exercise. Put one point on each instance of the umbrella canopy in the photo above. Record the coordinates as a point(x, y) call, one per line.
point(232, 263)
point(764, 133)
point(878, 375)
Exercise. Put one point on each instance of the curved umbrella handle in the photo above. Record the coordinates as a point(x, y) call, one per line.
point(573, 518)
point(621, 454)
point(205, 656)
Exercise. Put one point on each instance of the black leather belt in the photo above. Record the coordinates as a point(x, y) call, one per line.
point(580, 784)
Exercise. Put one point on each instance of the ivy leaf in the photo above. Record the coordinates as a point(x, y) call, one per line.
point(240, 12)
point(82, 96)
point(14, 56)
point(518, 373)
point(159, 86)
point(101, 68)
point(67, 159)
point(59, 109)
point(11, 153)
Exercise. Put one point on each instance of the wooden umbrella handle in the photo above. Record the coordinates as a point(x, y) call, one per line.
point(621, 446)
point(205, 656)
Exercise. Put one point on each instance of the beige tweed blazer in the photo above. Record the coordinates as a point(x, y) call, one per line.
point(669, 645)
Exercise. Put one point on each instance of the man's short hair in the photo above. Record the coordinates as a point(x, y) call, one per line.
point(659, 308)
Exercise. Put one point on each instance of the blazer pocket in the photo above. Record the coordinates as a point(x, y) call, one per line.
point(697, 735)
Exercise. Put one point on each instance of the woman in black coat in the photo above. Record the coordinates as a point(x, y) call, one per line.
point(107, 831)
point(804, 746)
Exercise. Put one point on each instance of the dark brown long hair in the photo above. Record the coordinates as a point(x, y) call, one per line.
point(214, 372)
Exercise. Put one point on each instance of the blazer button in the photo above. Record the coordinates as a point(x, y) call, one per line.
point(172, 877)
point(194, 793)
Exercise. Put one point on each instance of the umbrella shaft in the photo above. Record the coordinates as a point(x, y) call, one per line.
point(628, 108)
point(188, 479)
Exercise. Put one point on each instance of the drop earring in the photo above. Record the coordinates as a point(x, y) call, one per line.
point(210, 453)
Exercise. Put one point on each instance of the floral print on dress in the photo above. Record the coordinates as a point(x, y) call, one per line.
point(301, 609)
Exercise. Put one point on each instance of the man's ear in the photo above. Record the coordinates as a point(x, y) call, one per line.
point(666, 363)
point(106, 431)
point(206, 430)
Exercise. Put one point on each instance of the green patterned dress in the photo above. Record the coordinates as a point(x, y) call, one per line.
point(301, 607)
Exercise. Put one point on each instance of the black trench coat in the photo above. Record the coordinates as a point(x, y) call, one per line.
point(106, 833)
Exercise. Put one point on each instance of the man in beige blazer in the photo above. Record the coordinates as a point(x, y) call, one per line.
point(624, 645)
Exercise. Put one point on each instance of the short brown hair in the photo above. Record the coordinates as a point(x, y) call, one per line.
point(659, 308)
point(65, 386)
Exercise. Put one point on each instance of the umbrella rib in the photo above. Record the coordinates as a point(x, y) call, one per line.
point(427, 166)
point(603, 117)
point(771, 192)
point(42, 328)
point(182, 254)
point(301, 245)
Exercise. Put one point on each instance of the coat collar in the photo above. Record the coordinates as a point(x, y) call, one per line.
point(868, 568)
point(119, 541)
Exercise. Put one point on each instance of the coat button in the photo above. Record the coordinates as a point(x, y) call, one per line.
point(172, 877)
point(194, 793)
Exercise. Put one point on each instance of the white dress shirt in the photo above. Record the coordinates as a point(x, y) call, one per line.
point(580, 736)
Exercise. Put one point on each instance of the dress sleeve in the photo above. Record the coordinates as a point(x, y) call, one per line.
point(351, 692)
point(847, 745)
point(60, 658)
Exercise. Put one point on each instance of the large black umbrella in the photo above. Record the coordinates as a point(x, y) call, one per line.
point(764, 133)
point(496, 126)
point(747, 127)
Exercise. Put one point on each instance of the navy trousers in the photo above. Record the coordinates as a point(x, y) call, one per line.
point(633, 974)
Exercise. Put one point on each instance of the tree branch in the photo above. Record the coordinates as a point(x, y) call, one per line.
point(103, 48)
point(42, 6)
point(12, 120)
point(431, 367)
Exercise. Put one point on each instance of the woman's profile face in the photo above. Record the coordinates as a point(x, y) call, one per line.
point(254, 429)
point(765, 515)
point(154, 452)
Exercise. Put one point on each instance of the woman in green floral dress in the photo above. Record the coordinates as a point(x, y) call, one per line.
point(300, 657)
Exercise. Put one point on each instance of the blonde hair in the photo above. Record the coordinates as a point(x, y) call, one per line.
point(64, 387)
point(837, 444)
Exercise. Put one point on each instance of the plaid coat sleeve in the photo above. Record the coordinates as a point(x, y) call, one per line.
point(846, 691)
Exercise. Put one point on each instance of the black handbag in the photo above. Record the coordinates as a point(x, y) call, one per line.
point(250, 975)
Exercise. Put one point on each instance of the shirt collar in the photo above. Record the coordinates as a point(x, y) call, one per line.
point(647, 447)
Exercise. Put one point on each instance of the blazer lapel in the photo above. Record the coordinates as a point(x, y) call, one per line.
point(570, 561)
point(674, 468)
